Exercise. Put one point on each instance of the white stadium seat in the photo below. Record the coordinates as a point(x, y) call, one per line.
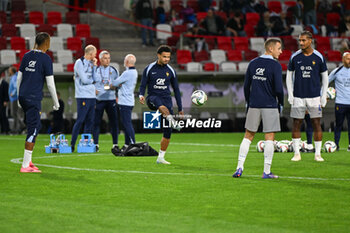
point(57, 67)
point(242, 66)
point(228, 66)
point(27, 30)
point(7, 57)
point(56, 43)
point(64, 30)
point(163, 35)
point(217, 55)
point(257, 44)
point(65, 57)
point(194, 67)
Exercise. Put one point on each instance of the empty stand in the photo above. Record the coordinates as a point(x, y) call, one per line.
point(65, 57)
point(48, 28)
point(18, 43)
point(323, 43)
point(290, 43)
point(250, 54)
point(3, 43)
point(36, 17)
point(82, 30)
point(180, 28)
point(7, 57)
point(274, 6)
point(194, 67)
point(72, 17)
point(241, 43)
point(74, 43)
point(257, 44)
point(27, 30)
point(228, 66)
point(64, 30)
point(200, 56)
point(333, 55)
point(163, 35)
point(243, 66)
point(18, 17)
point(252, 18)
point(70, 67)
point(183, 56)
point(3, 17)
point(57, 67)
point(217, 56)
point(54, 17)
point(224, 43)
point(211, 43)
point(95, 41)
point(18, 5)
point(285, 55)
point(210, 66)
point(234, 55)
point(56, 43)
point(9, 30)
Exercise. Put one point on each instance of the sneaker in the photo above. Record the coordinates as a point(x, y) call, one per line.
point(318, 158)
point(296, 158)
point(29, 170)
point(116, 151)
point(162, 161)
point(97, 147)
point(269, 176)
point(33, 166)
point(72, 148)
point(238, 173)
point(124, 148)
point(348, 148)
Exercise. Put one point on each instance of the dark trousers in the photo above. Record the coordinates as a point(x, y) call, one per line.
point(308, 129)
point(86, 115)
point(4, 122)
point(341, 111)
point(111, 109)
point(125, 114)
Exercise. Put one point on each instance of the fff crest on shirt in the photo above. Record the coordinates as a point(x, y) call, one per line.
point(167, 74)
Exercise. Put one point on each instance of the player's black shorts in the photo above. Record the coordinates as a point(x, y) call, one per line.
point(32, 111)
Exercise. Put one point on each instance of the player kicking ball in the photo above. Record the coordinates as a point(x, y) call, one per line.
point(263, 91)
point(157, 77)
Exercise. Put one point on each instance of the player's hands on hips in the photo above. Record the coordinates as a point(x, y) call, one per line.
point(56, 107)
point(290, 99)
point(142, 99)
point(323, 101)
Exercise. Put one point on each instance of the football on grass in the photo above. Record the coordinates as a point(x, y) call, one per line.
point(199, 97)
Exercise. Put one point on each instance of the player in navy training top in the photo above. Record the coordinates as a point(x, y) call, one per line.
point(263, 91)
point(157, 77)
point(36, 66)
point(306, 68)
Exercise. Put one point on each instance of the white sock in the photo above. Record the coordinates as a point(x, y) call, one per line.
point(113, 144)
point(243, 151)
point(296, 146)
point(268, 155)
point(27, 158)
point(318, 145)
point(161, 154)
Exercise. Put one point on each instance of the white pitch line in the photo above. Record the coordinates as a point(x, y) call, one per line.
point(19, 161)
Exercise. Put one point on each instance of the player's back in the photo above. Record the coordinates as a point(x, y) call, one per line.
point(264, 80)
point(35, 66)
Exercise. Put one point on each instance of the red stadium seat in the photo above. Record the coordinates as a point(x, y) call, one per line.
point(210, 42)
point(193, 4)
point(250, 54)
point(95, 41)
point(323, 43)
point(241, 43)
point(70, 67)
point(18, 5)
point(180, 28)
point(46, 28)
point(50, 53)
point(72, 17)
point(3, 43)
point(290, 3)
point(290, 43)
point(224, 43)
point(285, 55)
point(333, 19)
point(201, 56)
point(18, 43)
point(78, 54)
point(54, 17)
point(21, 53)
point(222, 15)
point(82, 30)
point(284, 66)
point(200, 16)
point(17, 17)
point(9, 30)
point(172, 41)
point(249, 30)
point(3, 17)
point(333, 55)
point(234, 55)
point(183, 56)
point(36, 17)
point(74, 43)
point(177, 5)
point(210, 66)
point(252, 18)
point(274, 6)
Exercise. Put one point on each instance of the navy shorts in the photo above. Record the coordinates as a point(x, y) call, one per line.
point(32, 111)
point(154, 102)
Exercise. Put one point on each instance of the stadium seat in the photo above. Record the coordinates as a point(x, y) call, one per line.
point(241, 43)
point(204, 115)
point(290, 43)
point(284, 66)
point(115, 65)
point(234, 55)
point(194, 67)
point(228, 67)
point(163, 35)
point(18, 43)
point(21, 54)
point(333, 55)
point(46, 28)
point(217, 56)
point(54, 17)
point(64, 57)
point(242, 66)
point(18, 5)
point(223, 116)
point(172, 41)
point(222, 15)
point(250, 54)
point(211, 42)
point(3, 43)
point(336, 43)
point(57, 67)
point(224, 43)
point(323, 43)
point(333, 19)
point(274, 6)
point(180, 28)
point(331, 66)
point(201, 56)
point(80, 53)
point(200, 16)
point(285, 55)
point(74, 43)
point(297, 29)
point(193, 4)
point(36, 17)
point(210, 66)
point(56, 43)
point(27, 30)
point(70, 67)
point(95, 41)
point(72, 17)
point(183, 56)
point(18, 17)
point(257, 44)
point(64, 30)
point(7, 57)
point(252, 18)
point(50, 53)
point(3, 17)
point(177, 5)
point(82, 30)
point(289, 4)
point(9, 30)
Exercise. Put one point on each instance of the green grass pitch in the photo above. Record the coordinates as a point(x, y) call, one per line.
point(196, 193)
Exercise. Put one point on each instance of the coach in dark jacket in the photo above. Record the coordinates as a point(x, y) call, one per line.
point(4, 100)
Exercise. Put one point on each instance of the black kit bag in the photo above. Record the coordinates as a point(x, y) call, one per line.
point(137, 149)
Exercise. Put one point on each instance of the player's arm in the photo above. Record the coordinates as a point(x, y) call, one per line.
point(289, 83)
point(332, 76)
point(79, 69)
point(279, 86)
point(324, 87)
point(118, 81)
point(144, 82)
point(247, 85)
point(177, 93)
point(19, 80)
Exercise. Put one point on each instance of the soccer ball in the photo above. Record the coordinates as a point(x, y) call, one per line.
point(330, 146)
point(283, 146)
point(331, 93)
point(260, 146)
point(199, 97)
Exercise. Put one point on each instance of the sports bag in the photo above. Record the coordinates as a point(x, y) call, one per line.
point(137, 149)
